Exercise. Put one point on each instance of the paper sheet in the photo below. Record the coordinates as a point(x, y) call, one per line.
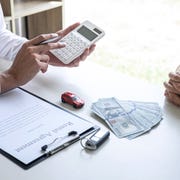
point(27, 123)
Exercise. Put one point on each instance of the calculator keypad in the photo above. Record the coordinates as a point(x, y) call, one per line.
point(74, 47)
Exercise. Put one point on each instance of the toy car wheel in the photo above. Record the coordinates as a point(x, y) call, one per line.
point(75, 106)
point(63, 100)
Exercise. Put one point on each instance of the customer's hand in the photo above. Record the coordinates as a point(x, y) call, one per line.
point(172, 91)
point(56, 62)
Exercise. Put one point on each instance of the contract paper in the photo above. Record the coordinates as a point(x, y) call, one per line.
point(27, 123)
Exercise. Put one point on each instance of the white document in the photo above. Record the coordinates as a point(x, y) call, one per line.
point(27, 123)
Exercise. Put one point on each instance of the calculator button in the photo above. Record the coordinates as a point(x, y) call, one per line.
point(74, 46)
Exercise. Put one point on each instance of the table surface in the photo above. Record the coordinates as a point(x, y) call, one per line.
point(154, 155)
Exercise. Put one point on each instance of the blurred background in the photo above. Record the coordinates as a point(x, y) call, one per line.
point(142, 36)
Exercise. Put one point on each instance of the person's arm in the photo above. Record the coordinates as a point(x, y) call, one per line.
point(10, 43)
point(30, 59)
point(172, 91)
point(6, 82)
point(34, 57)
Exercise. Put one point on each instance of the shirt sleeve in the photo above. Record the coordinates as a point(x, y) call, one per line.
point(10, 42)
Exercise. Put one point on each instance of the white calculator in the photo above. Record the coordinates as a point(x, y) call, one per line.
point(77, 41)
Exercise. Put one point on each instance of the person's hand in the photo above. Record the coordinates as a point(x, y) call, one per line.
point(172, 91)
point(56, 62)
point(31, 59)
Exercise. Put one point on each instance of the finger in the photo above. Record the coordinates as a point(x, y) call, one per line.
point(47, 47)
point(51, 40)
point(68, 29)
point(87, 52)
point(74, 63)
point(43, 66)
point(92, 48)
point(84, 55)
point(174, 98)
point(175, 85)
point(42, 61)
point(38, 39)
point(165, 92)
point(174, 76)
point(51, 46)
point(170, 88)
point(43, 58)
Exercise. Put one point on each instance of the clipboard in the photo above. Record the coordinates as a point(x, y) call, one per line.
point(25, 146)
point(44, 156)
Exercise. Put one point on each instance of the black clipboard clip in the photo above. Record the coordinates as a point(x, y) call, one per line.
point(75, 137)
point(47, 154)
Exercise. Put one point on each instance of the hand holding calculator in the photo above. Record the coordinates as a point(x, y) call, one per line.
point(77, 41)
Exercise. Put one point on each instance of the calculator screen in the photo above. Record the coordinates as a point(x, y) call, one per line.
point(87, 33)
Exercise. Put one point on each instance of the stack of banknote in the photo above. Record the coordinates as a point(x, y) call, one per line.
point(128, 119)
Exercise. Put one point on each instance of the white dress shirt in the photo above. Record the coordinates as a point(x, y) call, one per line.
point(10, 43)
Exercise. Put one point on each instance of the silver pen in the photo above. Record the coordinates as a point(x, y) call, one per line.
point(66, 144)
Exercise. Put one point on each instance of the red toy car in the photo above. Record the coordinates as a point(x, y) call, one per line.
point(72, 99)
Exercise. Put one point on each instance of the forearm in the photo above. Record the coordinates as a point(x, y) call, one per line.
point(7, 82)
